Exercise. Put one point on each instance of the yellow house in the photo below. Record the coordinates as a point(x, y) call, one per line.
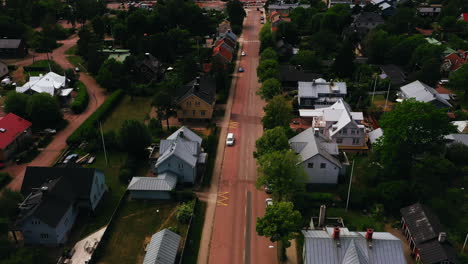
point(197, 99)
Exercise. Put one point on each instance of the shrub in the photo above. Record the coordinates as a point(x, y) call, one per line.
point(185, 212)
point(5, 178)
point(125, 175)
point(174, 229)
point(81, 101)
point(88, 128)
point(184, 195)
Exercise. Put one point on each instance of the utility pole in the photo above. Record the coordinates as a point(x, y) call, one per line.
point(386, 99)
point(464, 244)
point(103, 144)
point(349, 188)
point(373, 93)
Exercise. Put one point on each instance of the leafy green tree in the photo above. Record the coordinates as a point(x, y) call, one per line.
point(266, 38)
point(279, 170)
point(269, 54)
point(344, 62)
point(377, 44)
point(308, 60)
point(16, 103)
point(185, 212)
point(457, 153)
point(289, 32)
point(401, 52)
point(270, 88)
point(459, 80)
point(134, 136)
point(430, 71)
point(274, 139)
point(235, 11)
point(164, 101)
point(264, 67)
point(424, 53)
point(412, 129)
point(278, 112)
point(155, 127)
point(99, 28)
point(43, 110)
point(111, 75)
point(280, 223)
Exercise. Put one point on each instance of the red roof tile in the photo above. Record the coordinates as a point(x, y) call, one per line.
point(14, 126)
point(465, 17)
point(222, 51)
point(442, 90)
point(456, 60)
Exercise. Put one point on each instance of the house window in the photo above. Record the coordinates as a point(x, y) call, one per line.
point(355, 140)
point(193, 112)
point(345, 131)
point(168, 164)
point(189, 103)
point(310, 165)
point(323, 165)
point(184, 112)
point(35, 222)
point(197, 103)
point(339, 140)
point(202, 112)
point(44, 236)
point(181, 165)
point(353, 131)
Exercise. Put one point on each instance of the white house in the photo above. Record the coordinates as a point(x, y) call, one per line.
point(320, 93)
point(424, 93)
point(338, 124)
point(51, 83)
point(318, 157)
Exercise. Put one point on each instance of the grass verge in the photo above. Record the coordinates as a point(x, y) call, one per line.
point(127, 109)
point(194, 237)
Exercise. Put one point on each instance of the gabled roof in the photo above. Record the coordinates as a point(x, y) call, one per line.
point(223, 52)
point(291, 73)
point(229, 34)
point(164, 182)
point(203, 88)
point(423, 93)
point(162, 248)
point(43, 84)
point(353, 248)
point(14, 126)
point(422, 223)
point(315, 88)
point(184, 144)
point(456, 60)
point(10, 43)
point(394, 73)
point(462, 126)
point(150, 62)
point(307, 145)
point(368, 17)
point(374, 135)
point(436, 252)
point(465, 17)
point(457, 138)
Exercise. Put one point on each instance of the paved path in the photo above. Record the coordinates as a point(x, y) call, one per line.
point(233, 200)
point(96, 97)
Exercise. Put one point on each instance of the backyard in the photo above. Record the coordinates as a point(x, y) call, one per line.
point(137, 108)
point(134, 225)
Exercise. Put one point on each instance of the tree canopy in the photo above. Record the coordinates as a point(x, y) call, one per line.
point(272, 140)
point(279, 170)
point(278, 112)
point(459, 80)
point(43, 111)
point(134, 136)
point(270, 88)
point(16, 103)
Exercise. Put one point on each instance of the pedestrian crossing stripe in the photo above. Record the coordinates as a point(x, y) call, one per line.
point(233, 124)
point(222, 198)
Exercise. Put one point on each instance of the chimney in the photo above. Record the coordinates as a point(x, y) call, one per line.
point(442, 237)
point(181, 133)
point(369, 233)
point(323, 210)
point(336, 233)
point(197, 80)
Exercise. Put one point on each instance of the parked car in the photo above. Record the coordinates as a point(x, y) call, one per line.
point(69, 158)
point(77, 69)
point(230, 139)
point(269, 202)
point(268, 189)
point(50, 131)
point(243, 53)
point(241, 69)
point(262, 22)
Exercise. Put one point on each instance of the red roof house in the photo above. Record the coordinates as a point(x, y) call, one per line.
point(13, 131)
point(454, 61)
point(464, 17)
point(222, 53)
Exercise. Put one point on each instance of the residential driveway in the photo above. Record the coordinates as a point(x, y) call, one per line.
point(96, 97)
point(229, 234)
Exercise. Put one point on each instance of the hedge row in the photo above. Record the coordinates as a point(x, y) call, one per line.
point(89, 127)
point(81, 101)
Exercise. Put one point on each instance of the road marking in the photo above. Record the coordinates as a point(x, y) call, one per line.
point(251, 41)
point(247, 228)
point(222, 198)
point(233, 124)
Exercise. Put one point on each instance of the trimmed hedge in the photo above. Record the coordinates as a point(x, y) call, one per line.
point(82, 99)
point(89, 127)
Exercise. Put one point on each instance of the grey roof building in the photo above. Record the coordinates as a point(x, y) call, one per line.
point(426, 236)
point(394, 73)
point(290, 75)
point(12, 48)
point(153, 187)
point(375, 134)
point(163, 248)
point(423, 93)
point(457, 138)
point(320, 93)
point(340, 246)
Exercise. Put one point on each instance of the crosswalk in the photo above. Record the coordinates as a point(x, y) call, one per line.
point(222, 199)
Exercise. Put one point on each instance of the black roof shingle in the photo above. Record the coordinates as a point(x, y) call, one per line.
point(203, 87)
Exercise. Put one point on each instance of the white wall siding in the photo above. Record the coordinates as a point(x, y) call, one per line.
point(185, 173)
point(328, 175)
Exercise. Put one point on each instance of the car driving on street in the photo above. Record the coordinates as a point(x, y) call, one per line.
point(230, 139)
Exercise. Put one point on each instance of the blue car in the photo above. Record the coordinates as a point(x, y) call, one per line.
point(241, 69)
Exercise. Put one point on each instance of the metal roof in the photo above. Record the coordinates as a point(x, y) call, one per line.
point(163, 248)
point(307, 145)
point(184, 144)
point(353, 248)
point(422, 223)
point(164, 182)
point(375, 134)
point(423, 93)
point(457, 138)
point(44, 84)
point(9, 43)
point(316, 88)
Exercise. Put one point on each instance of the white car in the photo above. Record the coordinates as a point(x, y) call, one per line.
point(230, 139)
point(269, 202)
point(243, 53)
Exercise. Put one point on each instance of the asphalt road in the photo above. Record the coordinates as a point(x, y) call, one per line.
point(239, 203)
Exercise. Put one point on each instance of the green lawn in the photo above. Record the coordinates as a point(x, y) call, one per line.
point(71, 51)
point(135, 223)
point(77, 61)
point(128, 109)
point(194, 237)
point(356, 220)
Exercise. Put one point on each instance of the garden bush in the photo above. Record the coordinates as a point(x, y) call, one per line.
point(89, 127)
point(82, 99)
point(185, 212)
point(5, 178)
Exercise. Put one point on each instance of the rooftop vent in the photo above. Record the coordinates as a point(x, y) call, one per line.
point(336, 233)
point(3, 130)
point(442, 237)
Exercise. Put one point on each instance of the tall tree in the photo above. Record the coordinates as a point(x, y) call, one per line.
point(43, 110)
point(265, 68)
point(344, 62)
point(278, 112)
point(279, 170)
point(134, 136)
point(412, 129)
point(280, 223)
point(269, 54)
point(272, 140)
point(308, 60)
point(235, 11)
point(270, 88)
point(16, 103)
point(459, 80)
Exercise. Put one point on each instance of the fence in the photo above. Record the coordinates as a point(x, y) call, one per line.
point(188, 230)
